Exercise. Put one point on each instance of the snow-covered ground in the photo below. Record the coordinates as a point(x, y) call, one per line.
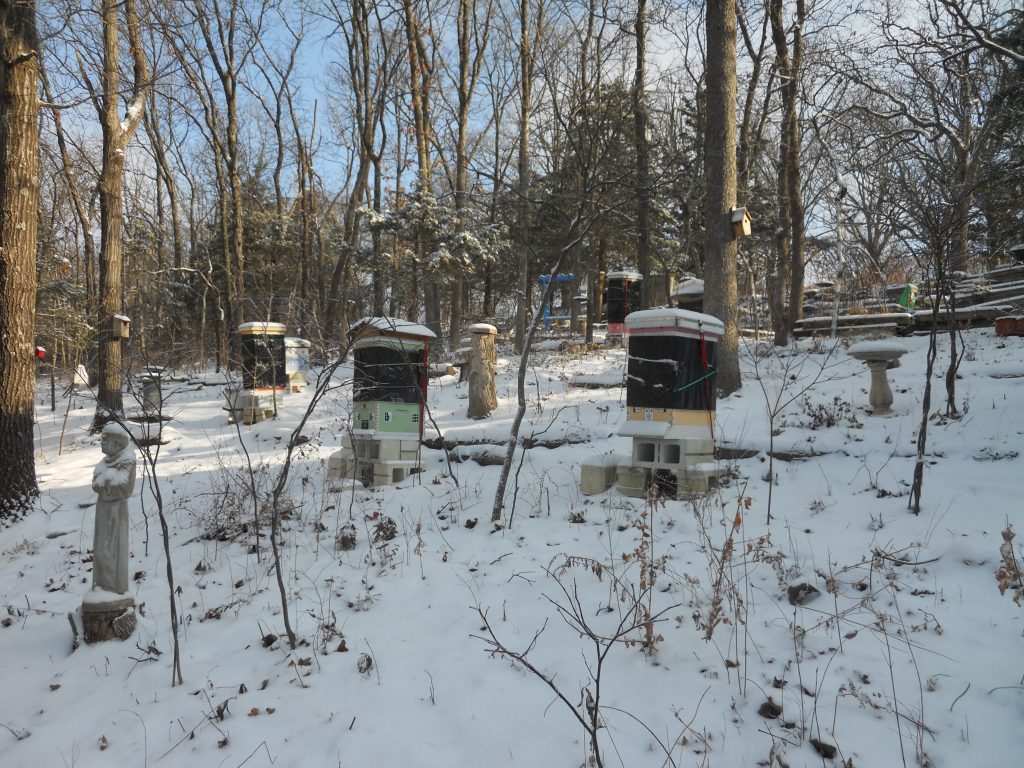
point(909, 656)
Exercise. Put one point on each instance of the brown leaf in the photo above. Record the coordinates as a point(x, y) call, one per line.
point(825, 750)
point(254, 712)
point(104, 743)
point(271, 710)
point(769, 709)
point(54, 686)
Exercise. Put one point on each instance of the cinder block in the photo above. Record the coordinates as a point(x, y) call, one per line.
point(631, 481)
point(694, 446)
point(341, 464)
point(597, 474)
point(390, 450)
point(698, 479)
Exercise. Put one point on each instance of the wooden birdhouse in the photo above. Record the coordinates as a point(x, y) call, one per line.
point(121, 327)
point(741, 223)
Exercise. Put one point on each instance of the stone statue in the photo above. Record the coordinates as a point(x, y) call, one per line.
point(108, 602)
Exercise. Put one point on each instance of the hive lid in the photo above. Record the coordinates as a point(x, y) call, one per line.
point(668, 320)
point(271, 329)
point(394, 325)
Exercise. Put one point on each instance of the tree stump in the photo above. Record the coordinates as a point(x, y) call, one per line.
point(482, 362)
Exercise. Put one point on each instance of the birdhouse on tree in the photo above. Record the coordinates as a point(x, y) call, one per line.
point(741, 222)
point(120, 327)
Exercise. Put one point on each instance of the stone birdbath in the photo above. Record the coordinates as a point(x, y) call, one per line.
point(879, 355)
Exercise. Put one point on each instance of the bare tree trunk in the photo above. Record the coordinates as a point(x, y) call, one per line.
point(793, 191)
point(917, 485)
point(19, 206)
point(116, 136)
point(469, 31)
point(643, 162)
point(527, 59)
point(378, 246)
point(82, 207)
point(165, 176)
point(779, 262)
point(720, 296)
point(228, 45)
point(420, 75)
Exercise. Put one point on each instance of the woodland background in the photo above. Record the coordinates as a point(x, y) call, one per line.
point(204, 163)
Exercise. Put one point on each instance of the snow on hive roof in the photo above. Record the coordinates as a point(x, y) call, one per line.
point(667, 318)
point(271, 328)
point(395, 325)
point(691, 286)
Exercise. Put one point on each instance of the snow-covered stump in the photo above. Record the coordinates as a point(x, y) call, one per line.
point(878, 355)
point(483, 398)
point(108, 611)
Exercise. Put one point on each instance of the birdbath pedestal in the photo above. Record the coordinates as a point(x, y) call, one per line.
point(878, 355)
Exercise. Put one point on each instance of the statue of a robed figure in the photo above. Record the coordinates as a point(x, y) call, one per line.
point(108, 611)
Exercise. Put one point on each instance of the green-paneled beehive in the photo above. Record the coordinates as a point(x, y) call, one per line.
point(389, 394)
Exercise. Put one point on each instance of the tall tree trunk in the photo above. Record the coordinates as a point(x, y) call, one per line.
point(720, 297)
point(643, 162)
point(116, 136)
point(419, 92)
point(165, 175)
point(19, 206)
point(779, 262)
point(223, 51)
point(83, 208)
point(526, 64)
point(466, 25)
point(377, 244)
point(793, 175)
